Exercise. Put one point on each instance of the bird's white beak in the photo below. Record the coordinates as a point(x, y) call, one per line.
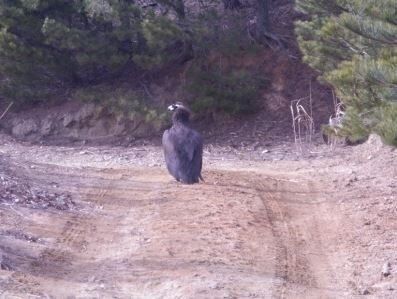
point(172, 107)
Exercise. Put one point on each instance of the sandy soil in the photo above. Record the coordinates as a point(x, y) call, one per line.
point(103, 222)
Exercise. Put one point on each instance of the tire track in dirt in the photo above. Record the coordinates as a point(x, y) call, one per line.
point(302, 268)
point(285, 258)
point(66, 260)
point(239, 236)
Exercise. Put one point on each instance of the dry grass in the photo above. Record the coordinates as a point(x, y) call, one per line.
point(302, 122)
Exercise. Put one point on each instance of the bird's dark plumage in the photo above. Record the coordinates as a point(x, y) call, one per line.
point(183, 147)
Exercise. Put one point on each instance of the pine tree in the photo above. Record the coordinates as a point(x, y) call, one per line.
point(48, 45)
point(353, 44)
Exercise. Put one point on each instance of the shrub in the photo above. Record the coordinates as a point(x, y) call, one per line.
point(165, 42)
point(123, 103)
point(226, 35)
point(235, 91)
point(218, 81)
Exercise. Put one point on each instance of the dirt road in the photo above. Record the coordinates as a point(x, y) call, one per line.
point(242, 234)
point(247, 232)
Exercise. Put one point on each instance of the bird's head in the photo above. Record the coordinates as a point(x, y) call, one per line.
point(177, 105)
point(181, 112)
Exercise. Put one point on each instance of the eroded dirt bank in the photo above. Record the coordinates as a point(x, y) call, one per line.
point(254, 229)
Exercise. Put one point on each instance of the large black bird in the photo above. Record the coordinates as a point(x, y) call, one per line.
point(183, 147)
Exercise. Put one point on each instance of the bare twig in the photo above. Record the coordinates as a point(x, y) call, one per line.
point(146, 89)
point(5, 111)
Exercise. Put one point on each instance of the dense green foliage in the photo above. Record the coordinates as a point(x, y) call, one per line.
point(354, 46)
point(232, 91)
point(217, 82)
point(45, 45)
point(48, 45)
point(79, 48)
point(165, 42)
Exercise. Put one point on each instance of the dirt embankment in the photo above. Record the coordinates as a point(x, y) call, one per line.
point(318, 227)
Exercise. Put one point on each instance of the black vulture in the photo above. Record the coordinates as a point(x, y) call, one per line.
point(183, 147)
